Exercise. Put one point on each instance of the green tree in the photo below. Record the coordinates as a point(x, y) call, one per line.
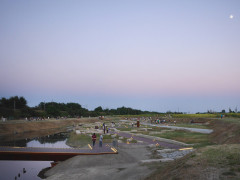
point(13, 108)
point(98, 109)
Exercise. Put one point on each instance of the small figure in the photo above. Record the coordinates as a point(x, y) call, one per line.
point(94, 137)
point(100, 140)
point(104, 128)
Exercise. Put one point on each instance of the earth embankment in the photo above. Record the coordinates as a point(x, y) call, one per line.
point(20, 129)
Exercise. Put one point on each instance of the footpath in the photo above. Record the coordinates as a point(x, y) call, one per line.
point(151, 140)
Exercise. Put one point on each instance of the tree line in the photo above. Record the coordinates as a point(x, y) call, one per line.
point(16, 108)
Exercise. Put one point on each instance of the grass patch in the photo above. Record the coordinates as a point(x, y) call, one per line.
point(185, 136)
point(124, 129)
point(234, 115)
point(225, 154)
point(203, 144)
point(195, 115)
point(107, 138)
point(78, 140)
point(133, 141)
point(229, 173)
point(231, 120)
point(143, 132)
point(217, 115)
point(222, 162)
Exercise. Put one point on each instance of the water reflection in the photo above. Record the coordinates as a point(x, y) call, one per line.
point(53, 138)
point(11, 169)
point(45, 140)
point(59, 144)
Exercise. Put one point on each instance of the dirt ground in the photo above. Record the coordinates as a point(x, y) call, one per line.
point(202, 164)
point(124, 165)
point(225, 133)
point(207, 163)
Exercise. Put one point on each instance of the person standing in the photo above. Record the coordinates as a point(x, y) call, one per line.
point(94, 138)
point(100, 140)
point(104, 128)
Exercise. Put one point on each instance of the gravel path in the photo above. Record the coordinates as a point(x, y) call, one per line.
point(149, 141)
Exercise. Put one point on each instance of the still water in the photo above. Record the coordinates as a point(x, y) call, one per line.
point(11, 170)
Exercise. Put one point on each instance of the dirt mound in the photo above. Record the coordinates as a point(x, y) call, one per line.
point(225, 132)
point(221, 161)
point(19, 129)
point(20, 126)
point(211, 162)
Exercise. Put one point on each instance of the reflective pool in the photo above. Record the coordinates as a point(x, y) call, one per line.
point(14, 169)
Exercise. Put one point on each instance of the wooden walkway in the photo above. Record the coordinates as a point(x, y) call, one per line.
point(52, 154)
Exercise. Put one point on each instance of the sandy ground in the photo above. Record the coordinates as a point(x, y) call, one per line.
point(124, 165)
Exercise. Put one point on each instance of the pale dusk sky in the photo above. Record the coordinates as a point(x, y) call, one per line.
point(156, 55)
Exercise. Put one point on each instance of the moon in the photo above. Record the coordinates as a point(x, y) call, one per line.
point(231, 16)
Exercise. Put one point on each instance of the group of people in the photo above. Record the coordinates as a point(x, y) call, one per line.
point(94, 138)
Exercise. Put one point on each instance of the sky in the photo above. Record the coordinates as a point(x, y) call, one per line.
point(155, 55)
